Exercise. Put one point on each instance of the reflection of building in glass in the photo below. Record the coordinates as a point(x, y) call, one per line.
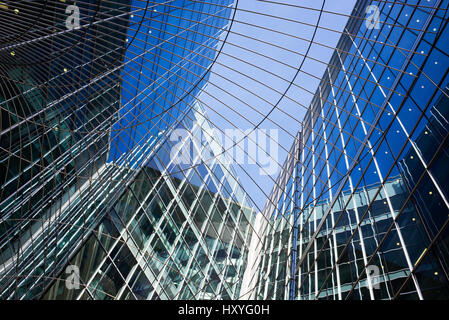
point(274, 263)
point(167, 64)
point(363, 197)
point(431, 211)
point(59, 90)
point(176, 235)
point(89, 181)
point(87, 176)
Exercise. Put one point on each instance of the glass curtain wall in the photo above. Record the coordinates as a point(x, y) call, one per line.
point(362, 211)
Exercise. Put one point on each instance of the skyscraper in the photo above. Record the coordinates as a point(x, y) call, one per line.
point(104, 199)
point(60, 88)
point(361, 208)
point(115, 183)
point(173, 234)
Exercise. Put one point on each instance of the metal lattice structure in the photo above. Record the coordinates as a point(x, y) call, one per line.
point(219, 149)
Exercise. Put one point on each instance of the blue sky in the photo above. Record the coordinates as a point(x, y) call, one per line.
point(252, 99)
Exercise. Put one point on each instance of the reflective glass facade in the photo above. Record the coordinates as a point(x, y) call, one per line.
point(361, 208)
point(171, 48)
point(100, 201)
point(182, 235)
point(87, 176)
point(59, 90)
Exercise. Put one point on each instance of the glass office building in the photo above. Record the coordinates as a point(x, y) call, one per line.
point(60, 86)
point(361, 207)
point(88, 181)
point(175, 233)
point(100, 199)
point(171, 49)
